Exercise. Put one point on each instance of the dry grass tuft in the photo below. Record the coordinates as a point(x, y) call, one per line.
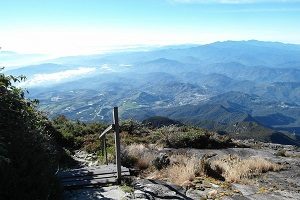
point(235, 169)
point(136, 149)
point(180, 173)
point(141, 155)
point(183, 168)
point(143, 163)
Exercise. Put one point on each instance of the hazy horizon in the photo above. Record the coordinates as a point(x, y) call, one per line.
point(63, 28)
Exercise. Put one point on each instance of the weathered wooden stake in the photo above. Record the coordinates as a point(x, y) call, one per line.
point(117, 142)
point(105, 151)
point(102, 147)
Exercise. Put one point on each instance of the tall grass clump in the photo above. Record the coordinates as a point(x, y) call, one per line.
point(138, 155)
point(235, 169)
point(184, 168)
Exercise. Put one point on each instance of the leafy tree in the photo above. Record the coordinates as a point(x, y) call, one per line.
point(28, 154)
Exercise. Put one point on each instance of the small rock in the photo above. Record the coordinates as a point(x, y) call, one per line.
point(198, 180)
point(212, 193)
point(214, 185)
point(207, 185)
point(161, 161)
point(201, 188)
point(139, 194)
point(188, 184)
point(195, 194)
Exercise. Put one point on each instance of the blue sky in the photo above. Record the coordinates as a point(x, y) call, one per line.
point(66, 27)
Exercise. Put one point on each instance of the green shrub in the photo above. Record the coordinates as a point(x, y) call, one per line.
point(159, 121)
point(111, 158)
point(29, 155)
point(133, 127)
point(78, 135)
point(191, 137)
point(91, 144)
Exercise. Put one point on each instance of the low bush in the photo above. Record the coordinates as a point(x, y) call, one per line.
point(133, 127)
point(191, 137)
point(76, 135)
point(159, 121)
point(111, 155)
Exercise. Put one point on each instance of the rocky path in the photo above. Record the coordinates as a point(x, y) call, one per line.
point(105, 193)
point(113, 192)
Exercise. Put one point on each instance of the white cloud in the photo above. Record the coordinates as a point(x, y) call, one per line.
point(262, 10)
point(42, 79)
point(106, 67)
point(77, 41)
point(234, 1)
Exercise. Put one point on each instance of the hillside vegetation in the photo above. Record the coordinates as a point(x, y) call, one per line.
point(29, 154)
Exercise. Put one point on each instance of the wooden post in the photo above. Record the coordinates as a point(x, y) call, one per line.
point(105, 150)
point(117, 142)
point(102, 147)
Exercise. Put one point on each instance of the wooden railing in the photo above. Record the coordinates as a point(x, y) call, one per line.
point(116, 128)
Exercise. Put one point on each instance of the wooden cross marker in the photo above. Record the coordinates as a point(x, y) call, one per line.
point(115, 126)
point(117, 142)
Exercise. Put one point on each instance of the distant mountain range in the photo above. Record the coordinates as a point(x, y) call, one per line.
point(217, 86)
point(14, 59)
point(249, 53)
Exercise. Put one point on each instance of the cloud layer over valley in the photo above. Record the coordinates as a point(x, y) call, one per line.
point(46, 78)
